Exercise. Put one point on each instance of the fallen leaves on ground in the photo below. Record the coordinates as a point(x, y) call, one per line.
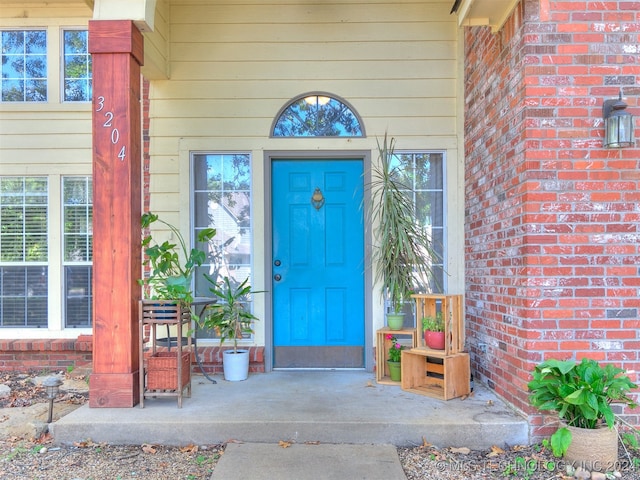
point(27, 459)
point(462, 450)
point(495, 451)
point(519, 462)
point(189, 449)
point(146, 448)
point(25, 392)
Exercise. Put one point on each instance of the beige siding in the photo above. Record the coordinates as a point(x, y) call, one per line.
point(48, 137)
point(156, 45)
point(222, 70)
point(235, 64)
point(53, 12)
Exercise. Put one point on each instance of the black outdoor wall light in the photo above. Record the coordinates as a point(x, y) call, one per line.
point(618, 124)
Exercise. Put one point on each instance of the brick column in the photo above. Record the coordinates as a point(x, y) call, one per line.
point(117, 52)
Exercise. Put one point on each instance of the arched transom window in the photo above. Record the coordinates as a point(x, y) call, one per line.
point(317, 115)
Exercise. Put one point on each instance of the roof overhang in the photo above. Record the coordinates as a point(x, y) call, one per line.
point(491, 13)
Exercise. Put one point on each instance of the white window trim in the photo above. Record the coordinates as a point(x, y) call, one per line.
point(55, 63)
point(60, 57)
point(186, 170)
point(55, 326)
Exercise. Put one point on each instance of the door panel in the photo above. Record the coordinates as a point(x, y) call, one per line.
point(318, 254)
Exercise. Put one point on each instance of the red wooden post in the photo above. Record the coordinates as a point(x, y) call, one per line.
point(117, 54)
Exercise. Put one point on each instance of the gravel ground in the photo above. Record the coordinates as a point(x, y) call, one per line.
point(20, 459)
point(38, 459)
point(28, 460)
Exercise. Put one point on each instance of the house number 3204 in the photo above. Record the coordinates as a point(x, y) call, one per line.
point(108, 123)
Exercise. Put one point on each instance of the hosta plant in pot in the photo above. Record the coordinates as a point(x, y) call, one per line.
point(231, 318)
point(581, 393)
point(433, 327)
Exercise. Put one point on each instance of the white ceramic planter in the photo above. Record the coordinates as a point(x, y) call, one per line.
point(235, 365)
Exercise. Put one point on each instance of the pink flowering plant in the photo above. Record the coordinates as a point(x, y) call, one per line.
point(395, 349)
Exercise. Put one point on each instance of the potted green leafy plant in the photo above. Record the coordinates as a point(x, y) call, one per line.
point(231, 318)
point(582, 394)
point(169, 289)
point(433, 327)
point(394, 358)
point(402, 254)
point(171, 265)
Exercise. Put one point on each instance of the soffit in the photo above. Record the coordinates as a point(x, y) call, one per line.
point(483, 12)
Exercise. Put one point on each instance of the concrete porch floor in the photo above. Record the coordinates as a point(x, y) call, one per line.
point(301, 406)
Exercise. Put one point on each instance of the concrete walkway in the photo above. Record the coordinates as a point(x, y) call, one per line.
point(325, 407)
point(261, 461)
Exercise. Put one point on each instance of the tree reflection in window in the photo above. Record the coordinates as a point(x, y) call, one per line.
point(24, 66)
point(317, 116)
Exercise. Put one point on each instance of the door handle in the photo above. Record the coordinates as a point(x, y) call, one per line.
point(277, 277)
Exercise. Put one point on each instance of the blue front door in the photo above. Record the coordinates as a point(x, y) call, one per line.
point(318, 264)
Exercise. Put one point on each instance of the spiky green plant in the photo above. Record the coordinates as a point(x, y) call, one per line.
point(402, 251)
point(230, 317)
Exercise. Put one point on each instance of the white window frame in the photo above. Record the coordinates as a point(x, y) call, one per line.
point(55, 304)
point(445, 247)
point(193, 232)
point(48, 37)
point(61, 99)
point(70, 263)
point(55, 65)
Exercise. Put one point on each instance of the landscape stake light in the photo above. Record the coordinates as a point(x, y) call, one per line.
point(52, 387)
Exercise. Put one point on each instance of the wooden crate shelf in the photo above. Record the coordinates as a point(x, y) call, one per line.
point(451, 308)
point(405, 336)
point(435, 374)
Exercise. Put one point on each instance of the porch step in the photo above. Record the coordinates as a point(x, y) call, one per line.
point(301, 406)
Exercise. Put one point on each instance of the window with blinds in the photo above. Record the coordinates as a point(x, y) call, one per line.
point(23, 251)
point(77, 213)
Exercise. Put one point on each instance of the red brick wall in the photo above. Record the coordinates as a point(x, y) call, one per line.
point(211, 359)
point(45, 355)
point(552, 218)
